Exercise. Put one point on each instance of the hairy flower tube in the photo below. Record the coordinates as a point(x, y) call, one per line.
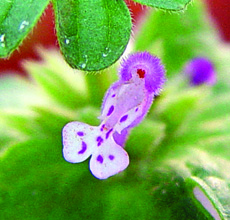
point(125, 105)
point(200, 70)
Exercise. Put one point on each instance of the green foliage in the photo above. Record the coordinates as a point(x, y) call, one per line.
point(59, 88)
point(179, 152)
point(205, 172)
point(5, 7)
point(100, 31)
point(165, 4)
point(92, 34)
point(17, 18)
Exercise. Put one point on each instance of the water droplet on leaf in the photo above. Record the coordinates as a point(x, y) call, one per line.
point(23, 25)
point(83, 65)
point(106, 52)
point(83, 62)
point(2, 40)
point(104, 55)
point(67, 41)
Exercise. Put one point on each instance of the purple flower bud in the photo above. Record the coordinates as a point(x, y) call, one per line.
point(200, 70)
point(125, 105)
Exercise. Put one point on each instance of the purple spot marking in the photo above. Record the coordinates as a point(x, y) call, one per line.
point(102, 127)
point(111, 157)
point(100, 158)
point(124, 118)
point(113, 95)
point(83, 149)
point(108, 133)
point(80, 133)
point(99, 140)
point(136, 110)
point(111, 109)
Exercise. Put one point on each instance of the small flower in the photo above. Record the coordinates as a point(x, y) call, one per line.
point(125, 105)
point(200, 70)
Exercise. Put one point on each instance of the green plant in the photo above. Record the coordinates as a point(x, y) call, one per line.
point(92, 34)
point(178, 154)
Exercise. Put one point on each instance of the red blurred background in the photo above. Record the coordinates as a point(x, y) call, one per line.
point(44, 32)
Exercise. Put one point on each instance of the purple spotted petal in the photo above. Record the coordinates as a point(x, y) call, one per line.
point(110, 95)
point(145, 66)
point(144, 110)
point(200, 70)
point(78, 147)
point(109, 160)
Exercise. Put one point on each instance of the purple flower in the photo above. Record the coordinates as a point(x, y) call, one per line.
point(125, 105)
point(200, 70)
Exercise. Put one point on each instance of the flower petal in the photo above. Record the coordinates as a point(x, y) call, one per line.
point(109, 160)
point(79, 141)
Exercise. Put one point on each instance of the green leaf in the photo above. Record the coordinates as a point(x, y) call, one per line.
point(212, 194)
point(171, 199)
point(129, 201)
point(6, 137)
point(34, 177)
point(68, 90)
point(17, 93)
point(165, 4)
point(150, 133)
point(176, 106)
point(5, 6)
point(37, 180)
point(186, 170)
point(21, 122)
point(17, 19)
point(92, 34)
point(49, 122)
